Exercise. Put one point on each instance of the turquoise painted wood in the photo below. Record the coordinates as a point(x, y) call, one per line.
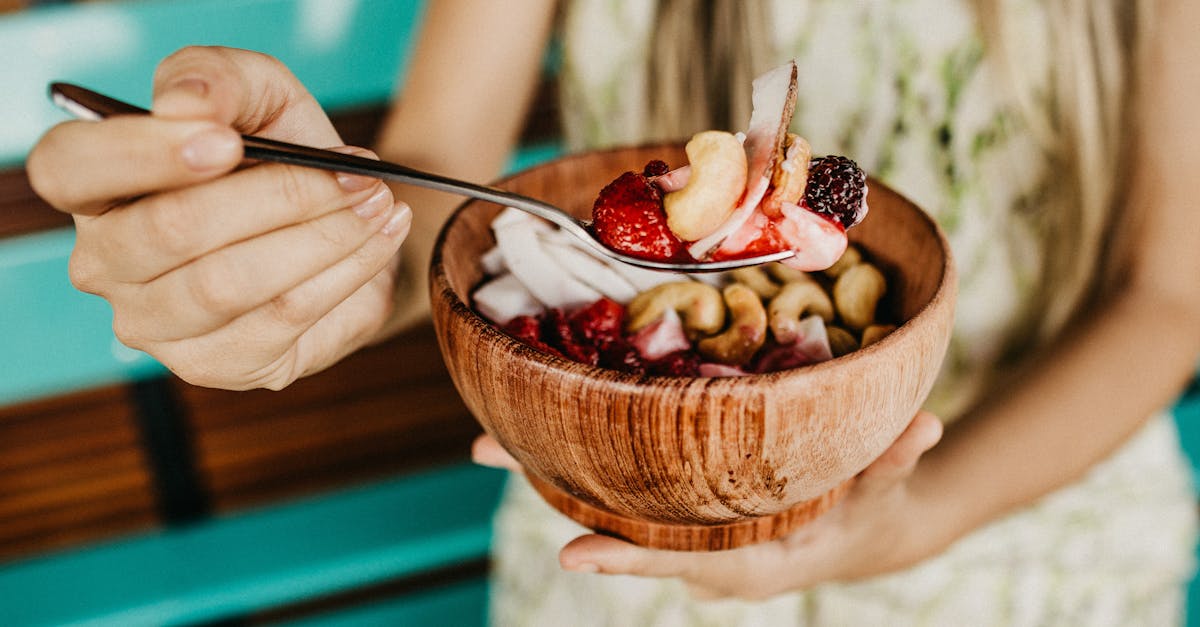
point(347, 52)
point(55, 338)
point(458, 605)
point(232, 566)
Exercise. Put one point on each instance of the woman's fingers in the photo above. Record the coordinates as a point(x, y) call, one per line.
point(300, 331)
point(899, 460)
point(486, 451)
point(207, 293)
point(72, 167)
point(155, 235)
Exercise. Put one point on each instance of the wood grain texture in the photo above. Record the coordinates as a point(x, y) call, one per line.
point(694, 452)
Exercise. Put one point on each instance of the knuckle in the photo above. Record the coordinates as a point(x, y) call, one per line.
point(291, 310)
point(169, 230)
point(294, 187)
point(212, 291)
point(83, 270)
point(127, 331)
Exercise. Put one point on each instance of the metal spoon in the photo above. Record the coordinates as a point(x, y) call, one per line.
point(86, 104)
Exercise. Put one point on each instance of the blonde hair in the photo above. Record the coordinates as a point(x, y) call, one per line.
point(1082, 128)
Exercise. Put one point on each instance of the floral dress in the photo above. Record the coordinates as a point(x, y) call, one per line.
point(902, 87)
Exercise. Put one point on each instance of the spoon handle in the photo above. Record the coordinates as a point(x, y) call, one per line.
point(87, 104)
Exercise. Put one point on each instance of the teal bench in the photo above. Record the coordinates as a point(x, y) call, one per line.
point(238, 565)
point(58, 340)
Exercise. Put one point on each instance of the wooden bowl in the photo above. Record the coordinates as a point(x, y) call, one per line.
point(693, 463)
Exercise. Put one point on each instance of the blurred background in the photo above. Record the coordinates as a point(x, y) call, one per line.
point(128, 497)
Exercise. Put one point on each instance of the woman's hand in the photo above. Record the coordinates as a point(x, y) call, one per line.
point(877, 528)
point(232, 277)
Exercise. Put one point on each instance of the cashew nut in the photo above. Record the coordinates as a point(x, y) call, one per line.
point(876, 332)
point(857, 292)
point(786, 274)
point(850, 258)
point(797, 300)
point(756, 279)
point(698, 304)
point(716, 183)
point(790, 176)
point(841, 341)
point(747, 328)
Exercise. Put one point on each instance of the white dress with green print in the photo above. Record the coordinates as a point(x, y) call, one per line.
point(899, 86)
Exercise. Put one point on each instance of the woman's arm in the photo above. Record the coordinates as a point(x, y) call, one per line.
point(1134, 351)
point(1127, 359)
point(460, 114)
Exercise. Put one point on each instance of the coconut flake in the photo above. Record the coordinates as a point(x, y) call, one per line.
point(590, 270)
point(504, 298)
point(524, 256)
point(492, 262)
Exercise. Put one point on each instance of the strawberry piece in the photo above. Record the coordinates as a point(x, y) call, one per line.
point(628, 217)
point(599, 323)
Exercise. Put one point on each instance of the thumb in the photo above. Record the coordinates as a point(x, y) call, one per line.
point(252, 92)
point(900, 459)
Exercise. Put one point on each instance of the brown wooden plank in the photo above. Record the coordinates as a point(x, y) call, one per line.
point(71, 471)
point(384, 410)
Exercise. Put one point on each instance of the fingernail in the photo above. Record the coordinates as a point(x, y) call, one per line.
point(194, 85)
point(398, 225)
point(585, 567)
point(372, 206)
point(354, 182)
point(210, 149)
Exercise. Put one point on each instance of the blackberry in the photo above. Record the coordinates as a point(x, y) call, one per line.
point(836, 188)
point(656, 167)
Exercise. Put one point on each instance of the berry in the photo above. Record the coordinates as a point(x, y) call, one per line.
point(836, 189)
point(684, 363)
point(628, 217)
point(557, 332)
point(528, 329)
point(600, 323)
point(655, 168)
point(621, 355)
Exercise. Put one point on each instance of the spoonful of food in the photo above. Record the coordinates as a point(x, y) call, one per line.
point(86, 104)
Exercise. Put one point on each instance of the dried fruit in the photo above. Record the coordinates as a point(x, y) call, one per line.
point(600, 323)
point(678, 364)
point(628, 217)
point(657, 167)
point(557, 332)
point(836, 188)
point(528, 329)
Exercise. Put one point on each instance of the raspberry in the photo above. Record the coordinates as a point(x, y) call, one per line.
point(528, 329)
point(655, 168)
point(557, 332)
point(599, 323)
point(628, 217)
point(621, 355)
point(679, 364)
point(836, 189)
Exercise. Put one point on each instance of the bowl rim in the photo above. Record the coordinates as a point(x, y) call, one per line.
point(440, 288)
